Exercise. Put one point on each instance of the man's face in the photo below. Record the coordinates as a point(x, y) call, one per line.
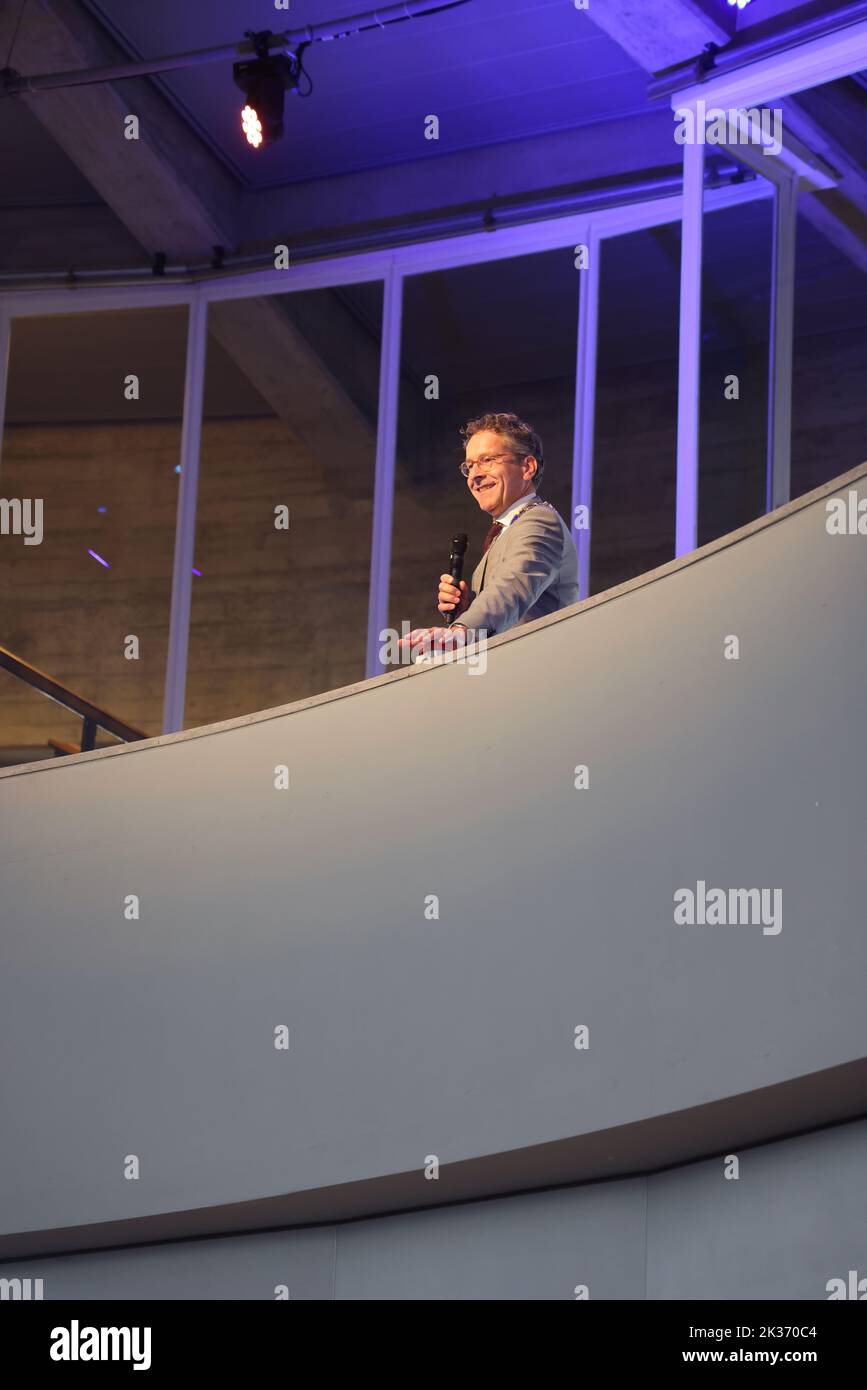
point(507, 477)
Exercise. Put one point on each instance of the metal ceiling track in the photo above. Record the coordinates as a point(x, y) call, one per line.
point(13, 83)
point(455, 222)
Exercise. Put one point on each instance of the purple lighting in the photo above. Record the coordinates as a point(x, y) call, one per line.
point(741, 4)
point(198, 572)
point(102, 509)
point(99, 558)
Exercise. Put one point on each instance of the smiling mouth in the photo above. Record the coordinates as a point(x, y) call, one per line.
point(483, 485)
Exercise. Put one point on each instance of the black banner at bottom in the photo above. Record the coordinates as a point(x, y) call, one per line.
point(221, 1337)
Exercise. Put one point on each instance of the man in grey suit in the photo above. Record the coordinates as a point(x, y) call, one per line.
point(529, 565)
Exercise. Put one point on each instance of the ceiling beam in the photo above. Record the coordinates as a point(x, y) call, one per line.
point(840, 222)
point(663, 33)
point(174, 195)
point(827, 120)
point(38, 240)
point(279, 361)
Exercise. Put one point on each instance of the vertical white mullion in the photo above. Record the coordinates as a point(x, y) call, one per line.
point(185, 526)
point(585, 402)
point(5, 339)
point(383, 486)
point(779, 464)
point(689, 345)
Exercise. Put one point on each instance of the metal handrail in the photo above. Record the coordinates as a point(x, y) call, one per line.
point(92, 716)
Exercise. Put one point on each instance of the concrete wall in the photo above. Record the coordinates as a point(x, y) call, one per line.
point(147, 1099)
point(267, 610)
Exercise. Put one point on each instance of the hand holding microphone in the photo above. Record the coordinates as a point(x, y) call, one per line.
point(454, 596)
point(453, 599)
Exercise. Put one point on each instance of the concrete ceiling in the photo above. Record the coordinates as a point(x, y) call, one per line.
point(34, 170)
point(508, 79)
point(492, 70)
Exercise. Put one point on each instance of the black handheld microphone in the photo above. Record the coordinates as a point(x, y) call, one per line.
point(456, 568)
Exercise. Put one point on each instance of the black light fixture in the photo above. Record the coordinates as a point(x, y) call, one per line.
point(264, 80)
point(277, 68)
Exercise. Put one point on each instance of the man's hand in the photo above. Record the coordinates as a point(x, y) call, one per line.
point(452, 599)
point(423, 640)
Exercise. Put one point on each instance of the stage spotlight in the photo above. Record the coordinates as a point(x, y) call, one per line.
point(251, 126)
point(264, 80)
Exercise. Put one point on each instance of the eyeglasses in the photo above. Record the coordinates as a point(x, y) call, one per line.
point(485, 462)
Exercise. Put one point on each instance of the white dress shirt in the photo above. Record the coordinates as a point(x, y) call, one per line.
point(510, 513)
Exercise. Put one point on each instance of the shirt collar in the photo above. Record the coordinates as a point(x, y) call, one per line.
point(509, 514)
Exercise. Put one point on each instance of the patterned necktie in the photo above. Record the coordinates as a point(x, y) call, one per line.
point(492, 536)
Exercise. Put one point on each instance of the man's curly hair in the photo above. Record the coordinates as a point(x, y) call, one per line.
point(521, 436)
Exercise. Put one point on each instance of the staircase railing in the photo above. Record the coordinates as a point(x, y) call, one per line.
point(93, 718)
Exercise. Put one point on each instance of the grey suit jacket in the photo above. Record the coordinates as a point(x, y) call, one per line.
point(530, 569)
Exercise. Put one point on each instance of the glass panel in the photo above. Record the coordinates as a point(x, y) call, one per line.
point(92, 432)
point(829, 367)
point(279, 612)
point(635, 448)
point(829, 348)
point(491, 338)
point(735, 342)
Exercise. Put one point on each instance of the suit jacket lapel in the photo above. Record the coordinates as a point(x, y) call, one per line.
point(479, 576)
